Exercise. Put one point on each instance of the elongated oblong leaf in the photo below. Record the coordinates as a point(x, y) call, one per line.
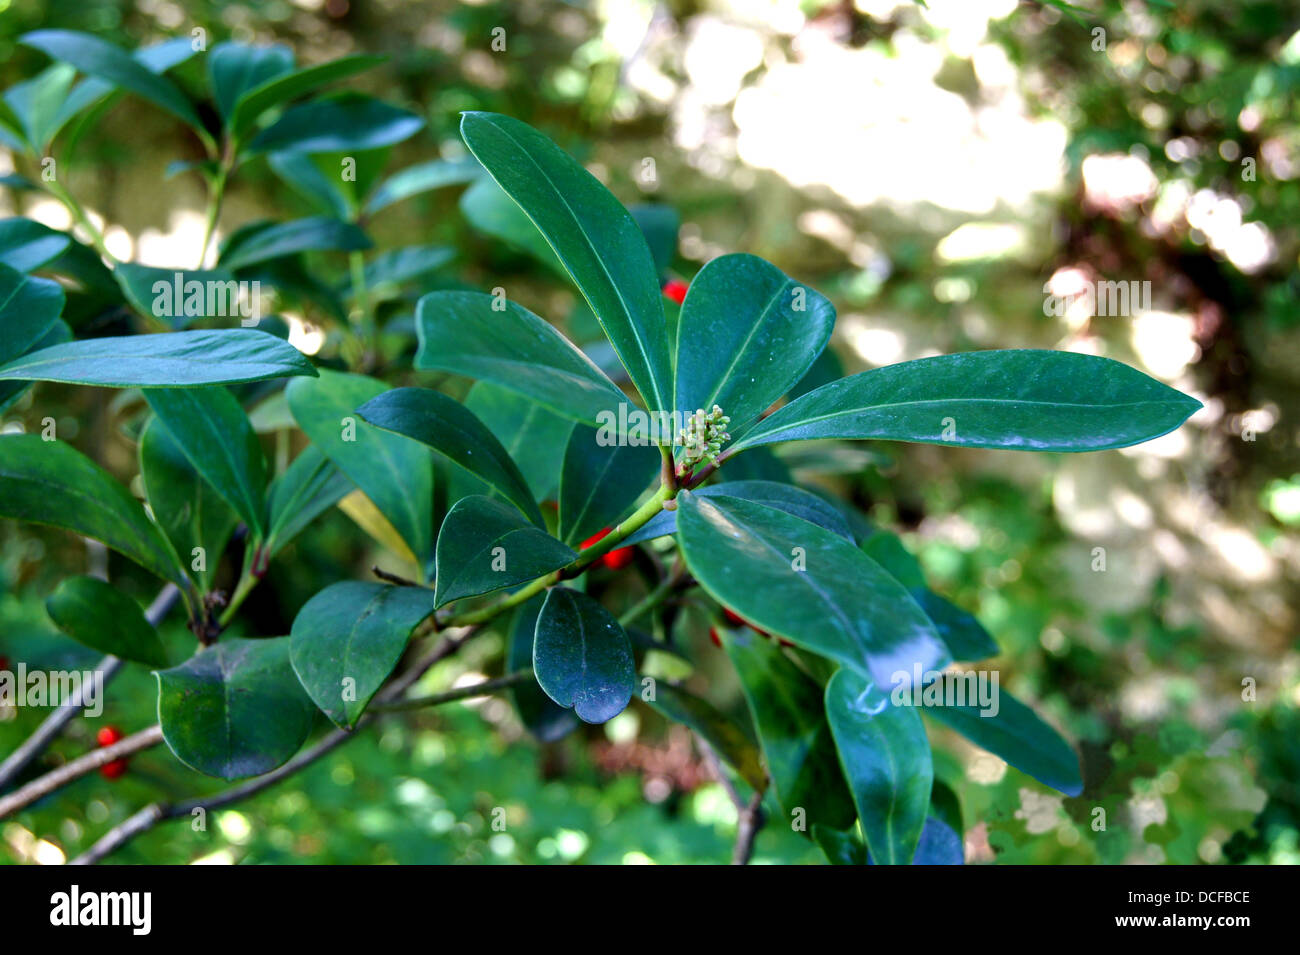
point(543, 717)
point(807, 584)
point(195, 518)
point(234, 709)
point(784, 497)
point(423, 177)
point(26, 245)
point(529, 433)
point(746, 335)
point(395, 472)
point(166, 360)
point(485, 545)
point(1018, 735)
point(732, 742)
point(281, 88)
point(49, 482)
point(29, 307)
point(582, 657)
point(103, 60)
point(594, 237)
point(787, 708)
point(346, 640)
point(315, 233)
point(309, 486)
point(236, 68)
point(215, 436)
point(599, 482)
point(479, 336)
point(98, 615)
point(886, 759)
point(339, 124)
point(1023, 399)
point(179, 297)
point(451, 429)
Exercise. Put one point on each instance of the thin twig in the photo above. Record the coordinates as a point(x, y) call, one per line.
point(482, 688)
point(751, 820)
point(55, 723)
point(392, 578)
point(74, 769)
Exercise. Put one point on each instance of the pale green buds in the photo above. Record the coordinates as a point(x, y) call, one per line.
point(703, 437)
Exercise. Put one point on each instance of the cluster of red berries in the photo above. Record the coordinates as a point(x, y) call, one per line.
point(107, 736)
point(616, 559)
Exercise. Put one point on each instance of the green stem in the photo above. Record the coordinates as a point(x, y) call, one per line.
point(80, 216)
point(248, 579)
point(460, 693)
point(216, 196)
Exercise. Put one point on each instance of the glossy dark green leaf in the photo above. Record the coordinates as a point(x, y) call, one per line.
point(309, 486)
point(302, 173)
point(1023, 400)
point(179, 297)
point(480, 336)
point(582, 657)
point(540, 714)
point(26, 245)
point(56, 334)
point(594, 237)
point(346, 640)
point(234, 709)
point(840, 605)
point(287, 86)
point(170, 359)
point(885, 756)
point(29, 307)
point(787, 708)
point(487, 208)
point(49, 482)
point(387, 272)
point(339, 124)
point(448, 427)
point(784, 497)
point(746, 335)
point(420, 178)
point(98, 615)
point(732, 742)
point(1016, 733)
point(395, 472)
point(103, 60)
point(214, 434)
point(188, 510)
point(316, 233)
point(964, 636)
point(529, 433)
point(36, 104)
point(842, 847)
point(236, 68)
point(600, 482)
point(659, 224)
point(486, 545)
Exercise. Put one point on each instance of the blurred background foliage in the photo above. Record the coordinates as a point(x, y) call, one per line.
point(942, 173)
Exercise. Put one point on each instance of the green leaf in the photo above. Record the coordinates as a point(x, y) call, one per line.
point(236, 68)
point(542, 717)
point(1015, 733)
point(940, 845)
point(170, 359)
point(731, 742)
point(420, 178)
point(786, 705)
point(491, 339)
point(29, 307)
point(487, 208)
point(215, 436)
point(485, 545)
point(841, 847)
point(582, 657)
point(308, 487)
point(1023, 400)
point(529, 433)
point(49, 482)
point(784, 497)
point(180, 297)
point(36, 103)
point(964, 636)
point(346, 640)
point(387, 272)
point(98, 615)
point(280, 89)
point(189, 512)
point(840, 605)
point(26, 245)
point(599, 482)
point(316, 233)
point(341, 124)
point(596, 240)
point(103, 60)
point(395, 472)
point(746, 335)
point(234, 709)
point(886, 759)
point(303, 173)
point(448, 427)
point(660, 225)
point(10, 391)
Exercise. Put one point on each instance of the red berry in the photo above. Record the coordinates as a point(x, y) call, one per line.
point(114, 769)
point(618, 558)
point(735, 619)
point(594, 538)
point(108, 735)
point(675, 290)
point(713, 635)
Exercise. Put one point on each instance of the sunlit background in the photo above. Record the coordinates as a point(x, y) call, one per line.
point(955, 177)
